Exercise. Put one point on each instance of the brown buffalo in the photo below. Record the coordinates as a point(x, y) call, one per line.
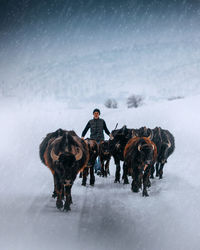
point(139, 155)
point(105, 156)
point(93, 153)
point(65, 154)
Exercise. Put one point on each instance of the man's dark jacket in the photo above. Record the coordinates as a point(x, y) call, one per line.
point(96, 129)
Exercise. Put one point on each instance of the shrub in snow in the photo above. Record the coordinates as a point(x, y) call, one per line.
point(134, 101)
point(111, 103)
point(175, 98)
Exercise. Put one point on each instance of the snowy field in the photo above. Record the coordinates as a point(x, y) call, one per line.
point(108, 215)
point(58, 61)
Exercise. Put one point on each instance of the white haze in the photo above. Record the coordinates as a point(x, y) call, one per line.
point(52, 75)
point(73, 62)
point(108, 215)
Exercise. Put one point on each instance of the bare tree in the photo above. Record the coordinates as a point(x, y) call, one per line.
point(134, 101)
point(114, 104)
point(108, 103)
point(175, 98)
point(111, 104)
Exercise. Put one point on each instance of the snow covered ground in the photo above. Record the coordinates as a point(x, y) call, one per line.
point(108, 215)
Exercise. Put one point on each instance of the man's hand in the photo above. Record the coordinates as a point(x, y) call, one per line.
point(111, 136)
point(82, 138)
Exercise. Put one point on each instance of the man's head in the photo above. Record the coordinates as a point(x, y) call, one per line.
point(96, 113)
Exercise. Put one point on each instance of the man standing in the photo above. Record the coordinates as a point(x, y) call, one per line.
point(97, 126)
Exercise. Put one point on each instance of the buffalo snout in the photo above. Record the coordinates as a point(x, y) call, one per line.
point(68, 182)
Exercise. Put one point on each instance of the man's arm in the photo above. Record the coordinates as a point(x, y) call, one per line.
point(105, 128)
point(85, 129)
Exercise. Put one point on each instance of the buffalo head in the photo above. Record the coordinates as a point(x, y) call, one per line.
point(146, 152)
point(65, 153)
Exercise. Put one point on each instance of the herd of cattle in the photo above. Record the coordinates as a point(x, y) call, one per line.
point(66, 154)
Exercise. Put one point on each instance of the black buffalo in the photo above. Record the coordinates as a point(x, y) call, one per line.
point(105, 156)
point(117, 143)
point(139, 154)
point(65, 154)
point(120, 137)
point(165, 143)
point(93, 153)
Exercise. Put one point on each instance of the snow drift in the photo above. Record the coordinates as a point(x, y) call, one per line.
point(108, 215)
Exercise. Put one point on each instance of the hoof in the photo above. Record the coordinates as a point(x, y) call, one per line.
point(83, 184)
point(135, 189)
point(92, 181)
point(145, 194)
point(54, 195)
point(126, 182)
point(149, 184)
point(59, 204)
point(67, 208)
point(99, 173)
point(160, 175)
point(115, 181)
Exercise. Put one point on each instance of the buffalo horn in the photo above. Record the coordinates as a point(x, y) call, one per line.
point(79, 154)
point(151, 134)
point(54, 156)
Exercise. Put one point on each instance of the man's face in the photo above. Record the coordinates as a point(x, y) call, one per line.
point(96, 115)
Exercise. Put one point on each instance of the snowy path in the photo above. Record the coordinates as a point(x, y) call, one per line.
point(108, 215)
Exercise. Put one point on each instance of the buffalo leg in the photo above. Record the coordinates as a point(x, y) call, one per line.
point(146, 182)
point(160, 172)
point(117, 173)
point(92, 177)
point(56, 184)
point(148, 177)
point(54, 195)
point(68, 200)
point(59, 191)
point(135, 181)
point(102, 167)
point(107, 167)
point(84, 179)
point(157, 169)
point(125, 173)
point(152, 171)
